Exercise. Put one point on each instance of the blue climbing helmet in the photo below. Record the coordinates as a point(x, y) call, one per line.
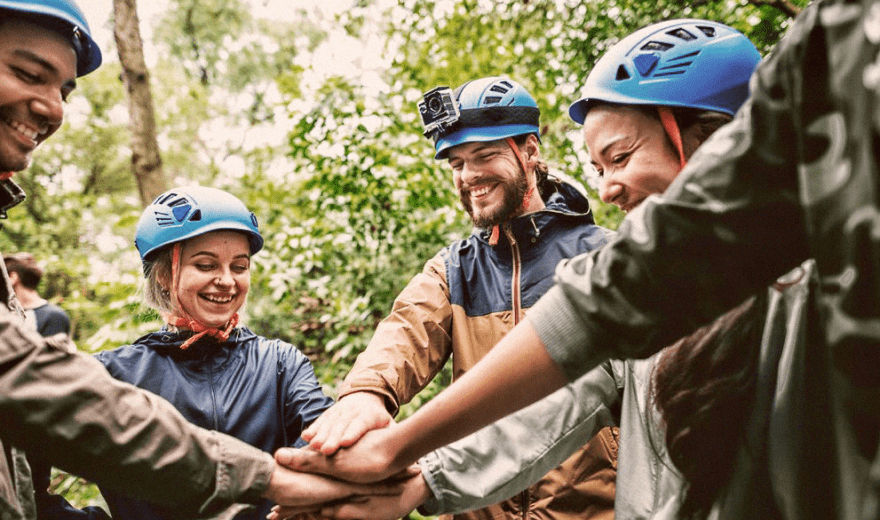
point(687, 63)
point(187, 212)
point(485, 109)
point(66, 18)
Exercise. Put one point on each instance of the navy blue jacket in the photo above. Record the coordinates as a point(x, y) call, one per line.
point(261, 391)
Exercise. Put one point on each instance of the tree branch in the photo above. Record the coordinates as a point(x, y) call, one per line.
point(785, 6)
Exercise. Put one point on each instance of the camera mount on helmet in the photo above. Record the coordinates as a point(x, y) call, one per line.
point(485, 109)
point(439, 110)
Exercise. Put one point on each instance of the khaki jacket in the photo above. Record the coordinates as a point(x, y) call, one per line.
point(66, 406)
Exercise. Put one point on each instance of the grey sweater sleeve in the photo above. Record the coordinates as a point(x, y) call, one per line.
point(508, 456)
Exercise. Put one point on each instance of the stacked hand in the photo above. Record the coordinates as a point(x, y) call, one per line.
point(354, 471)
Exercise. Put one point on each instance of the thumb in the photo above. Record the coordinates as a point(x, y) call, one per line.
point(291, 458)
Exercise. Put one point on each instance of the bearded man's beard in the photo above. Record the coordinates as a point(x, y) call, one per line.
point(514, 191)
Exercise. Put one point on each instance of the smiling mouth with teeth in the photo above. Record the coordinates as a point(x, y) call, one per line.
point(218, 299)
point(24, 130)
point(479, 192)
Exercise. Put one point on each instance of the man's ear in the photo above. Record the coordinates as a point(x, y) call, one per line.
point(531, 151)
point(13, 278)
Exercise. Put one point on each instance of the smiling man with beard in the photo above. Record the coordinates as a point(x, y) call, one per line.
point(475, 290)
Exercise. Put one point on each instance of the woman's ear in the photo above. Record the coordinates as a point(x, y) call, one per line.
point(164, 280)
point(691, 139)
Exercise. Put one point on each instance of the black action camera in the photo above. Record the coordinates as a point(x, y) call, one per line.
point(438, 109)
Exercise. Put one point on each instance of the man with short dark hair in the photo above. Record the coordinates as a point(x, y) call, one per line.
point(25, 275)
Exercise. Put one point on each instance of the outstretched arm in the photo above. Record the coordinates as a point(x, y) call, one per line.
point(496, 386)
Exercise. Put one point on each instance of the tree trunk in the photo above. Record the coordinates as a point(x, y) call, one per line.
point(146, 162)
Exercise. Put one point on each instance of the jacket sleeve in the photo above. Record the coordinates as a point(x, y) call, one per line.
point(410, 345)
point(729, 225)
point(508, 456)
point(65, 406)
point(303, 399)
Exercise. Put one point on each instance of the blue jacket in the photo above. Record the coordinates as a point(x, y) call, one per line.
point(261, 391)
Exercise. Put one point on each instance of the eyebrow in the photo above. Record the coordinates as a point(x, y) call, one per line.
point(213, 255)
point(35, 58)
point(477, 149)
point(609, 144)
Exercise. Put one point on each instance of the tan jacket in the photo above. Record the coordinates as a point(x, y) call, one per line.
point(66, 406)
point(462, 303)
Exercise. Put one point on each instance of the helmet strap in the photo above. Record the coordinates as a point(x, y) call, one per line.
point(493, 237)
point(672, 130)
point(528, 196)
point(181, 319)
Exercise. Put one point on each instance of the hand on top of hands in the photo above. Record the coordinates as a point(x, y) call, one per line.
point(344, 423)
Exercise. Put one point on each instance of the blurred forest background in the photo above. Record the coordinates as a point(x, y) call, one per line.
point(349, 198)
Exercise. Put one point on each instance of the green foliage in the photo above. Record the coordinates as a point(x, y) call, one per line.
point(361, 214)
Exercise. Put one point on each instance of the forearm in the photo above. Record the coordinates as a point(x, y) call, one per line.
point(410, 345)
point(515, 452)
point(498, 385)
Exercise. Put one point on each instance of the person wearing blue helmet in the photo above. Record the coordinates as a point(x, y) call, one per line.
point(526, 219)
point(61, 405)
point(645, 159)
point(196, 244)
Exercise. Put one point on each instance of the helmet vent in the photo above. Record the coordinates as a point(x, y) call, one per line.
point(501, 87)
point(707, 30)
point(677, 65)
point(657, 46)
point(492, 99)
point(196, 216)
point(681, 34)
point(162, 199)
point(622, 73)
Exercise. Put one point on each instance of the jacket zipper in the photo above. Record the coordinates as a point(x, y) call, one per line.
point(516, 307)
point(515, 296)
point(213, 397)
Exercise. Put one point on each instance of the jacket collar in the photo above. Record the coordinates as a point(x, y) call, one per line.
point(167, 341)
point(563, 198)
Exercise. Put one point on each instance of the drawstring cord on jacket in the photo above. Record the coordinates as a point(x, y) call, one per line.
point(493, 237)
point(183, 319)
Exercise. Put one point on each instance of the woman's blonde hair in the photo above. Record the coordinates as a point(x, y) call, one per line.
point(157, 281)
